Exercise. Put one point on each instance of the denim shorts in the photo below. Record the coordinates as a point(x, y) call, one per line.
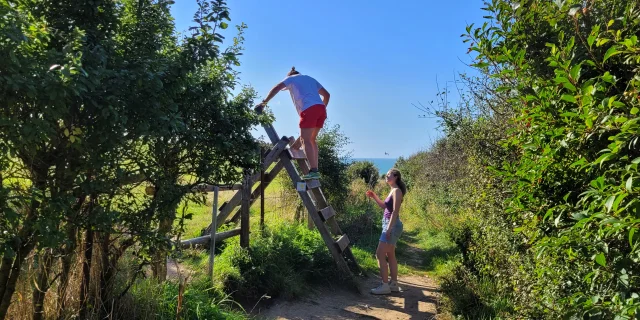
point(395, 233)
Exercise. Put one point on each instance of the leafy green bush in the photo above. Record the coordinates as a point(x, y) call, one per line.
point(365, 170)
point(333, 159)
point(148, 299)
point(285, 262)
point(97, 98)
point(567, 243)
point(550, 211)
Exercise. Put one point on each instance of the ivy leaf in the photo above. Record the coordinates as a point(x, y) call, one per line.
point(600, 259)
point(634, 110)
point(66, 132)
point(569, 98)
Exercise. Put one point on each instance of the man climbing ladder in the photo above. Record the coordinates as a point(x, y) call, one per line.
point(305, 92)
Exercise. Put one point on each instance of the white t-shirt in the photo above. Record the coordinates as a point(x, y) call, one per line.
point(303, 90)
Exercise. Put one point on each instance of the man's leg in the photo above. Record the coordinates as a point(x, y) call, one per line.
point(307, 144)
point(314, 136)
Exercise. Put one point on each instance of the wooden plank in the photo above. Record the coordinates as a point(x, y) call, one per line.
point(313, 184)
point(201, 188)
point(296, 144)
point(297, 154)
point(321, 202)
point(269, 177)
point(304, 166)
point(228, 207)
point(271, 133)
point(327, 213)
point(343, 243)
point(244, 213)
point(209, 187)
point(275, 153)
point(205, 241)
point(212, 235)
point(261, 187)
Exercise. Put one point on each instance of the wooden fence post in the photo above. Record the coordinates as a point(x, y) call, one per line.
point(262, 183)
point(244, 212)
point(214, 219)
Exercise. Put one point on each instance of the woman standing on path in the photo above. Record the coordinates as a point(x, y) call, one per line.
point(391, 231)
point(305, 93)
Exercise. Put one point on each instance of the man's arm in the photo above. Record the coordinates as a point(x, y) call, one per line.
point(325, 96)
point(273, 93)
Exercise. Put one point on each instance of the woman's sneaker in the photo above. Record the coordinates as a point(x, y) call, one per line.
point(382, 289)
point(393, 286)
point(311, 176)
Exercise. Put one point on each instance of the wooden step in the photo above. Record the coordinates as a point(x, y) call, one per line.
point(343, 243)
point(327, 213)
point(312, 184)
point(295, 143)
point(297, 154)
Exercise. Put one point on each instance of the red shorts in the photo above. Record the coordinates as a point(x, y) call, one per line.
point(313, 117)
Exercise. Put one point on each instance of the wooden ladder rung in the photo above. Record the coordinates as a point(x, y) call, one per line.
point(312, 184)
point(295, 143)
point(327, 213)
point(343, 242)
point(297, 154)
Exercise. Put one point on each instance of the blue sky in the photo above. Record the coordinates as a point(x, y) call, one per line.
point(374, 57)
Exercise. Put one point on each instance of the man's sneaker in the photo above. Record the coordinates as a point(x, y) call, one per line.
point(393, 285)
point(311, 176)
point(382, 289)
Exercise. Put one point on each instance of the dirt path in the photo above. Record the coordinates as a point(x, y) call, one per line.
point(417, 300)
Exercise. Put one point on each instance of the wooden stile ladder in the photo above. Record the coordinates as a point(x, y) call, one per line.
point(283, 153)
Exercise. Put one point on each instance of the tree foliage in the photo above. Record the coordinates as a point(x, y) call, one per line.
point(332, 164)
point(364, 170)
point(558, 219)
point(97, 98)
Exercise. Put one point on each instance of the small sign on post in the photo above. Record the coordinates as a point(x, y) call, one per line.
point(301, 186)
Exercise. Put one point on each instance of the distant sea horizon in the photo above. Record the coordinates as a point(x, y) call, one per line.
point(383, 164)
